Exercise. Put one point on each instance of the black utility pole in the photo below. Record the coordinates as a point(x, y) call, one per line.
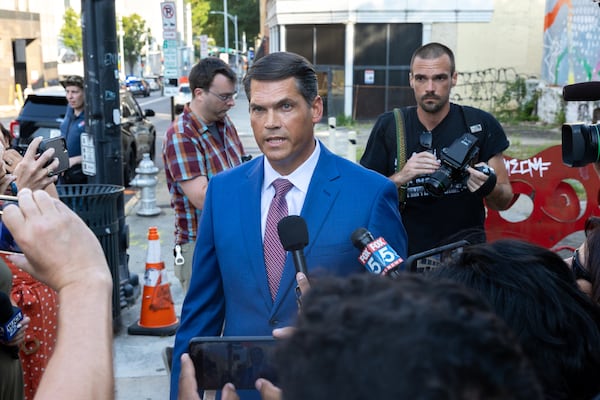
point(102, 119)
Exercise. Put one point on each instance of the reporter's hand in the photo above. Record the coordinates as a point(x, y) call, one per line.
point(46, 230)
point(418, 164)
point(188, 387)
point(31, 172)
point(267, 390)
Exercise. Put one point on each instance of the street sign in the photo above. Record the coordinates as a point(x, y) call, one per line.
point(169, 16)
point(203, 46)
point(170, 58)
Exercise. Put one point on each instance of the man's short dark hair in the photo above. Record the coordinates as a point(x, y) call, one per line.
point(368, 337)
point(282, 65)
point(535, 292)
point(73, 80)
point(204, 72)
point(434, 50)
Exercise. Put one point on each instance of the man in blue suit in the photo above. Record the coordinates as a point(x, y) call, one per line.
point(229, 290)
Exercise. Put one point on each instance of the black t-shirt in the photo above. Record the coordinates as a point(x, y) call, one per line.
point(429, 220)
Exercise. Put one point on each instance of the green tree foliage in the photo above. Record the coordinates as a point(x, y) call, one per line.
point(247, 12)
point(70, 33)
point(134, 37)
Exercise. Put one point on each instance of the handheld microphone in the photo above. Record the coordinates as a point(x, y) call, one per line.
point(10, 317)
point(585, 91)
point(293, 235)
point(376, 255)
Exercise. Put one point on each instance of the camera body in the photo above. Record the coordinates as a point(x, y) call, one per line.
point(455, 160)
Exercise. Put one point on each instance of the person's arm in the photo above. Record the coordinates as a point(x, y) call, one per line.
point(75, 161)
point(195, 190)
point(500, 198)
point(61, 251)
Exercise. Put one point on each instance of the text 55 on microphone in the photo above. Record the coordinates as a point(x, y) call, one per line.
point(376, 255)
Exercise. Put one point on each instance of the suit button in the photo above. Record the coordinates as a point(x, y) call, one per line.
point(274, 322)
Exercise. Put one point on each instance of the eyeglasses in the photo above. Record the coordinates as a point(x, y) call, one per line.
point(426, 139)
point(223, 97)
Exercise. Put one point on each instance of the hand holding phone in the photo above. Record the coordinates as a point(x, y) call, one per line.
point(239, 360)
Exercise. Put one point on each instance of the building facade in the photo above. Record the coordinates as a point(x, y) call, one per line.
point(362, 48)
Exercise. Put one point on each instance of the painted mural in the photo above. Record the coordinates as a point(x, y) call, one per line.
point(571, 42)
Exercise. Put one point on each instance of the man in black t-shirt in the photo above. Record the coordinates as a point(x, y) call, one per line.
point(433, 124)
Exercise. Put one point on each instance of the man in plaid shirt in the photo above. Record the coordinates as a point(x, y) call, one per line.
point(200, 143)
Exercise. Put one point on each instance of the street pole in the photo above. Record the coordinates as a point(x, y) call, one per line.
point(226, 24)
point(234, 19)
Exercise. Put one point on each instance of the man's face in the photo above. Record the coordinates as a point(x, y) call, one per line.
point(75, 97)
point(432, 80)
point(211, 105)
point(283, 123)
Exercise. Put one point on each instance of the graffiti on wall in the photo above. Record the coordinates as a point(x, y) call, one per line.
point(571, 42)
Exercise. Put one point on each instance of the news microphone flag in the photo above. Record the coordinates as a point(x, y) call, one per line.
point(376, 255)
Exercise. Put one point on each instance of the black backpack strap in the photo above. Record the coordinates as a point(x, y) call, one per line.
point(400, 151)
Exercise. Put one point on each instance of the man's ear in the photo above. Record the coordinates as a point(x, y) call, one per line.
point(317, 109)
point(454, 78)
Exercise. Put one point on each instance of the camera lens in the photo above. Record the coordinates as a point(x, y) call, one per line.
point(580, 144)
point(439, 181)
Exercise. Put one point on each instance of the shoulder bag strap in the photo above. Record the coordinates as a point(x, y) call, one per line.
point(400, 151)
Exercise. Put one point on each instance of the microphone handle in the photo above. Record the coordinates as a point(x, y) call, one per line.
point(299, 261)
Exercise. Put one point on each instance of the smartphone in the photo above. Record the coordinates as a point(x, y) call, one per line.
point(433, 258)
point(240, 360)
point(60, 151)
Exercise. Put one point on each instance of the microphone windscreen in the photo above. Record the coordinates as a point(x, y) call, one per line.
point(6, 308)
point(585, 91)
point(293, 232)
point(361, 238)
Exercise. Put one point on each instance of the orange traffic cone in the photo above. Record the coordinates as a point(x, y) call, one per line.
point(157, 314)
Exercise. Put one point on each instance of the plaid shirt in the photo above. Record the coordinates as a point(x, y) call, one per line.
point(191, 150)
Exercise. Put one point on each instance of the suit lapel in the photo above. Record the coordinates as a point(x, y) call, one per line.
point(250, 192)
point(323, 190)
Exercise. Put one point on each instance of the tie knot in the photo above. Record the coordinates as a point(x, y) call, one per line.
point(282, 186)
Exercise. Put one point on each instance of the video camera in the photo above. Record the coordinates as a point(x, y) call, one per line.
point(580, 141)
point(455, 160)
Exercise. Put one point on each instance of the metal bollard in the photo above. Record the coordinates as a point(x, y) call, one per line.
point(351, 149)
point(147, 180)
point(332, 133)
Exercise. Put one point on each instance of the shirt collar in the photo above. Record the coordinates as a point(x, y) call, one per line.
point(301, 176)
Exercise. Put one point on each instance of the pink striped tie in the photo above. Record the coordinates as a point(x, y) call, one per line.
point(273, 250)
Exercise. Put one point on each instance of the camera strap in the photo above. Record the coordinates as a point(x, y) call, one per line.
point(400, 152)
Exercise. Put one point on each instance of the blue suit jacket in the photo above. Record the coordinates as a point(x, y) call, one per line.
point(228, 290)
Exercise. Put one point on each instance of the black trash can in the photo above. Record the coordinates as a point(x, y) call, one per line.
point(97, 206)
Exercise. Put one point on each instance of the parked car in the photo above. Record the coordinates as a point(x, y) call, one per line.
point(184, 96)
point(137, 86)
point(154, 83)
point(43, 112)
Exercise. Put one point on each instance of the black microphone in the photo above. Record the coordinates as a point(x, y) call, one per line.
point(376, 255)
point(585, 91)
point(10, 317)
point(293, 235)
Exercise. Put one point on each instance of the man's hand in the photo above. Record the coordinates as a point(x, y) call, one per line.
point(59, 247)
point(418, 164)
